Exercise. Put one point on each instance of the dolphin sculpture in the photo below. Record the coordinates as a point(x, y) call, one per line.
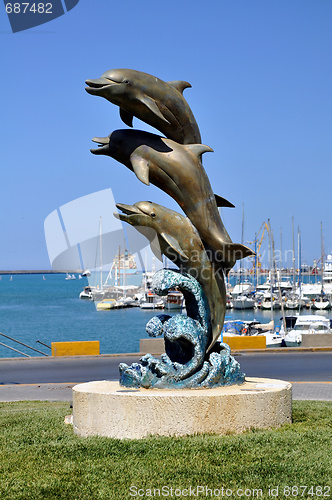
point(158, 103)
point(177, 169)
point(180, 242)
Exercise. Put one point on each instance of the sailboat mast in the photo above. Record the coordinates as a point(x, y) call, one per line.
point(293, 258)
point(242, 240)
point(119, 266)
point(255, 266)
point(280, 249)
point(279, 287)
point(299, 258)
point(271, 266)
point(125, 258)
point(322, 250)
point(101, 255)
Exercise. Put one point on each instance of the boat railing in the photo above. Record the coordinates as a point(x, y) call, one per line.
point(25, 345)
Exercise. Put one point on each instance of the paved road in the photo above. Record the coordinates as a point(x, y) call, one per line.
point(52, 378)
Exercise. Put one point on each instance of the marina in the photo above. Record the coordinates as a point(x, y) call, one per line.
point(50, 310)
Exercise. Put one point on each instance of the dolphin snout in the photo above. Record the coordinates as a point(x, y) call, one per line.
point(99, 82)
point(128, 209)
point(96, 86)
point(127, 212)
point(103, 145)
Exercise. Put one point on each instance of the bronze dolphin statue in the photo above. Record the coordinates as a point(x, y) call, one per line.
point(179, 241)
point(158, 103)
point(177, 169)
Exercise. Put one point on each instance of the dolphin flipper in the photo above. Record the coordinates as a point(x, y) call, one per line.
point(173, 243)
point(179, 85)
point(141, 168)
point(126, 117)
point(152, 105)
point(222, 202)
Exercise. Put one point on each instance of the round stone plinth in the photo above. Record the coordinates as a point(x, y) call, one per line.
point(107, 409)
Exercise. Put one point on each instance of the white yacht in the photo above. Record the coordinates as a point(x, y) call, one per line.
point(306, 324)
point(243, 302)
point(269, 302)
point(244, 287)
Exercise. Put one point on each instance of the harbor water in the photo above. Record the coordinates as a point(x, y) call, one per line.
point(49, 310)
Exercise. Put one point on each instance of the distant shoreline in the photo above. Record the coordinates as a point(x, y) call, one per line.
point(48, 271)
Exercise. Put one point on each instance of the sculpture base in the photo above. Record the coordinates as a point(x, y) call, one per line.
point(106, 409)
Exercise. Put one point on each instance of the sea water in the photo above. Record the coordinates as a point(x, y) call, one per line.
point(50, 310)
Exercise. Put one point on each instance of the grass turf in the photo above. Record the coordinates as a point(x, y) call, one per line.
point(41, 458)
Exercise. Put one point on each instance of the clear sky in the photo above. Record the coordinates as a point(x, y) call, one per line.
point(261, 75)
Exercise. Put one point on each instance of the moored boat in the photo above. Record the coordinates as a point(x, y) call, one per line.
point(174, 300)
point(106, 304)
point(243, 302)
point(321, 303)
point(152, 301)
point(307, 324)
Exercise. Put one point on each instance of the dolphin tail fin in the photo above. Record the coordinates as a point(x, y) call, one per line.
point(229, 253)
point(179, 85)
point(236, 251)
point(126, 117)
point(241, 251)
point(222, 202)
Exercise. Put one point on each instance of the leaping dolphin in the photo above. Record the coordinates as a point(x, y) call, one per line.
point(158, 103)
point(179, 241)
point(177, 169)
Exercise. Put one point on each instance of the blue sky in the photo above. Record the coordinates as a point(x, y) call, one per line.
point(261, 78)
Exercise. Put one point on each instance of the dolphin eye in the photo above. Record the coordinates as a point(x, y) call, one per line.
point(125, 81)
point(153, 214)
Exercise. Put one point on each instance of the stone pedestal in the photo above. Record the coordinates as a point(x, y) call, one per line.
point(106, 409)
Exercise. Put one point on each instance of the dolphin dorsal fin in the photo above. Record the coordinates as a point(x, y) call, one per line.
point(199, 149)
point(173, 243)
point(152, 105)
point(141, 168)
point(179, 85)
point(222, 202)
point(126, 117)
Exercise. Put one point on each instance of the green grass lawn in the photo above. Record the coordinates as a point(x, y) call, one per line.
point(41, 457)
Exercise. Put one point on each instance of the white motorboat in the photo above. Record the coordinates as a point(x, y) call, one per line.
point(307, 324)
point(273, 339)
point(243, 302)
point(152, 301)
point(86, 293)
point(244, 287)
point(86, 272)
